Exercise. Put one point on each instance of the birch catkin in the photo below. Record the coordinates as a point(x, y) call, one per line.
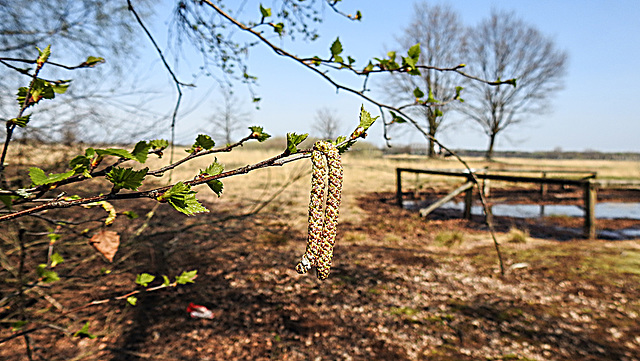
point(323, 212)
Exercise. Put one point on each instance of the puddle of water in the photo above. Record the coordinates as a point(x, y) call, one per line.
point(604, 210)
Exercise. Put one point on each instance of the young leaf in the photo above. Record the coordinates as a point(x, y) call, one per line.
point(84, 332)
point(365, 119)
point(131, 214)
point(158, 144)
point(266, 12)
point(165, 281)
point(418, 93)
point(397, 119)
point(414, 53)
point(214, 169)
point(16, 326)
point(141, 151)
point(183, 199)
point(116, 152)
point(132, 300)
point(92, 61)
point(187, 277)
point(203, 141)
point(53, 237)
point(259, 134)
point(38, 177)
point(144, 279)
point(21, 121)
point(438, 112)
point(126, 178)
point(43, 55)
point(336, 48)
point(56, 259)
point(46, 275)
point(431, 99)
point(278, 28)
point(293, 140)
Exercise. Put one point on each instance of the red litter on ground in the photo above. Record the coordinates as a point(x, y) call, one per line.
point(197, 311)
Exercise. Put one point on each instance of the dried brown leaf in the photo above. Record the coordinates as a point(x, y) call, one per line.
point(106, 242)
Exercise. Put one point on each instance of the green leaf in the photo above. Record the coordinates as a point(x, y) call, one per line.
point(368, 68)
point(158, 144)
point(131, 214)
point(396, 118)
point(214, 169)
point(259, 134)
point(92, 61)
point(132, 300)
point(141, 151)
point(21, 121)
point(431, 99)
point(278, 28)
point(418, 93)
point(43, 55)
point(438, 112)
point(351, 60)
point(7, 200)
point(60, 87)
point(187, 277)
point(40, 89)
point(81, 164)
point(56, 259)
point(266, 12)
point(53, 237)
point(84, 332)
point(336, 47)
point(414, 52)
point(144, 279)
point(38, 177)
point(183, 199)
point(293, 140)
point(203, 141)
point(126, 178)
point(166, 282)
point(16, 326)
point(458, 91)
point(46, 275)
point(366, 121)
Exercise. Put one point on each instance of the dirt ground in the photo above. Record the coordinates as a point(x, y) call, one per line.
point(395, 292)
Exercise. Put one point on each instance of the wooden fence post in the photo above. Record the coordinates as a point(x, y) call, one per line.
point(468, 200)
point(399, 186)
point(590, 199)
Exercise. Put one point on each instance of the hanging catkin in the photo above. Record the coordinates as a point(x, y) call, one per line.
point(323, 212)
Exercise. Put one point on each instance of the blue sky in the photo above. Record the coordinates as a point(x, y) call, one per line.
point(595, 111)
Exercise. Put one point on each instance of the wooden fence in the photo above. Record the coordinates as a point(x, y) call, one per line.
point(588, 184)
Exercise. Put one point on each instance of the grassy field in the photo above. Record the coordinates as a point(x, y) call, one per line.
point(401, 288)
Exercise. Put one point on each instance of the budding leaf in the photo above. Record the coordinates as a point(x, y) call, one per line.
point(336, 47)
point(187, 277)
point(266, 12)
point(414, 52)
point(293, 140)
point(144, 279)
point(92, 61)
point(365, 119)
point(132, 300)
point(84, 332)
point(203, 141)
point(56, 259)
point(397, 119)
point(278, 28)
point(259, 134)
point(158, 144)
point(141, 151)
point(214, 169)
point(38, 177)
point(166, 282)
point(183, 199)
point(431, 99)
point(21, 121)
point(418, 93)
point(46, 275)
point(43, 55)
point(131, 214)
point(438, 112)
point(126, 178)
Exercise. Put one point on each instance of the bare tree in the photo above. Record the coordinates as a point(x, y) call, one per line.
point(438, 30)
point(504, 47)
point(327, 124)
point(229, 117)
